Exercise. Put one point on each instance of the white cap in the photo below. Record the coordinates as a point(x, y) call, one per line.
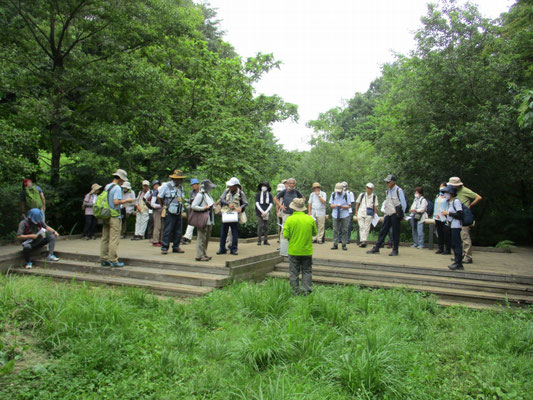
point(370, 185)
point(145, 182)
point(233, 181)
point(280, 187)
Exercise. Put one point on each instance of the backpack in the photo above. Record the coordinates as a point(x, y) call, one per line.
point(468, 217)
point(102, 209)
point(430, 208)
point(33, 198)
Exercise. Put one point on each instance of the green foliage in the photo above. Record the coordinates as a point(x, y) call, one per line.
point(505, 244)
point(251, 341)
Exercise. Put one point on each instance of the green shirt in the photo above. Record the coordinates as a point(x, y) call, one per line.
point(299, 229)
point(466, 196)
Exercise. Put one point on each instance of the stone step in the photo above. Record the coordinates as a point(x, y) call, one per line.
point(166, 288)
point(178, 265)
point(468, 274)
point(457, 281)
point(462, 295)
point(145, 273)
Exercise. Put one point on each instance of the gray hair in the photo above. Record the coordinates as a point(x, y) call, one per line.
point(291, 179)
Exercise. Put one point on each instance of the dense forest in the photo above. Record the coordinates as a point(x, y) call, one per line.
point(87, 86)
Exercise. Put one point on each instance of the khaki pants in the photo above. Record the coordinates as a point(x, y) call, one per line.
point(110, 239)
point(202, 240)
point(321, 225)
point(364, 227)
point(467, 243)
point(156, 235)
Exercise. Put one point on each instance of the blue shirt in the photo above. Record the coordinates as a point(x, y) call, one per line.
point(114, 194)
point(170, 193)
point(341, 199)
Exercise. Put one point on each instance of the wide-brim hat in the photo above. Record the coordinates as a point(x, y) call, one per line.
point(280, 187)
point(339, 187)
point(344, 184)
point(95, 187)
point(121, 174)
point(126, 185)
point(233, 182)
point(450, 189)
point(316, 185)
point(269, 189)
point(298, 204)
point(390, 178)
point(455, 181)
point(177, 174)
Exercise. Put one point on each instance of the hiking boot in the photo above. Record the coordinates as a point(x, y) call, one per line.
point(362, 245)
point(344, 247)
point(455, 267)
point(178, 250)
point(334, 247)
point(446, 253)
point(266, 243)
point(373, 250)
point(439, 251)
point(221, 252)
point(393, 253)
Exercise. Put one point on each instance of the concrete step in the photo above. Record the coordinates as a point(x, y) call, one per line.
point(468, 274)
point(457, 281)
point(145, 273)
point(167, 288)
point(462, 295)
point(178, 265)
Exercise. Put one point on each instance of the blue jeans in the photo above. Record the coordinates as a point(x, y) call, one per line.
point(234, 237)
point(418, 232)
point(172, 232)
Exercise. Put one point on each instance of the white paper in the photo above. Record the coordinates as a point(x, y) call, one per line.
point(375, 220)
point(42, 232)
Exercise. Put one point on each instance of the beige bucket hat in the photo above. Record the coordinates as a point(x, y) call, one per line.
point(455, 181)
point(121, 174)
point(298, 204)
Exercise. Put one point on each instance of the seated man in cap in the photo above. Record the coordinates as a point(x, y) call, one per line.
point(170, 196)
point(340, 204)
point(34, 233)
point(232, 200)
point(111, 227)
point(366, 207)
point(317, 209)
point(195, 188)
point(394, 208)
point(299, 229)
point(469, 199)
point(143, 211)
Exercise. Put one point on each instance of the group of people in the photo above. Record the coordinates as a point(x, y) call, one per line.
point(159, 209)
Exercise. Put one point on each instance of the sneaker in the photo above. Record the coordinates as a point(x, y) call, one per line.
point(52, 257)
point(118, 264)
point(446, 253)
point(266, 243)
point(105, 263)
point(362, 245)
point(259, 243)
point(178, 250)
point(28, 265)
point(373, 250)
point(467, 261)
point(393, 253)
point(163, 251)
point(86, 238)
point(220, 252)
point(389, 245)
point(439, 252)
point(344, 247)
point(334, 247)
point(156, 244)
point(234, 253)
point(420, 247)
point(413, 246)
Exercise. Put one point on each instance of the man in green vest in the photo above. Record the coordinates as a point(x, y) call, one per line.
point(299, 230)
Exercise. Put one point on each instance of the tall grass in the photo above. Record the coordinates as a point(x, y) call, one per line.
point(255, 341)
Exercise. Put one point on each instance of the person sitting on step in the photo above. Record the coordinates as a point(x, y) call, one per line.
point(34, 233)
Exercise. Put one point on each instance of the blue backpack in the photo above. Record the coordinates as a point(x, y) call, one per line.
point(430, 209)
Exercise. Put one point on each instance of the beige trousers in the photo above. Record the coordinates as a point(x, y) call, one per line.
point(156, 235)
point(320, 225)
point(364, 227)
point(467, 243)
point(202, 240)
point(110, 239)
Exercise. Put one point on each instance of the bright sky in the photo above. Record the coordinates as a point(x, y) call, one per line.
point(329, 49)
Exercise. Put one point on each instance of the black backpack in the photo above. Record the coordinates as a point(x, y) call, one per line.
point(430, 209)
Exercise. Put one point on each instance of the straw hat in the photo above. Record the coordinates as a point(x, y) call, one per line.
point(339, 187)
point(177, 174)
point(95, 187)
point(455, 181)
point(297, 204)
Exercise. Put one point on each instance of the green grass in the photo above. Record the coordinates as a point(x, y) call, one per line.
point(249, 341)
